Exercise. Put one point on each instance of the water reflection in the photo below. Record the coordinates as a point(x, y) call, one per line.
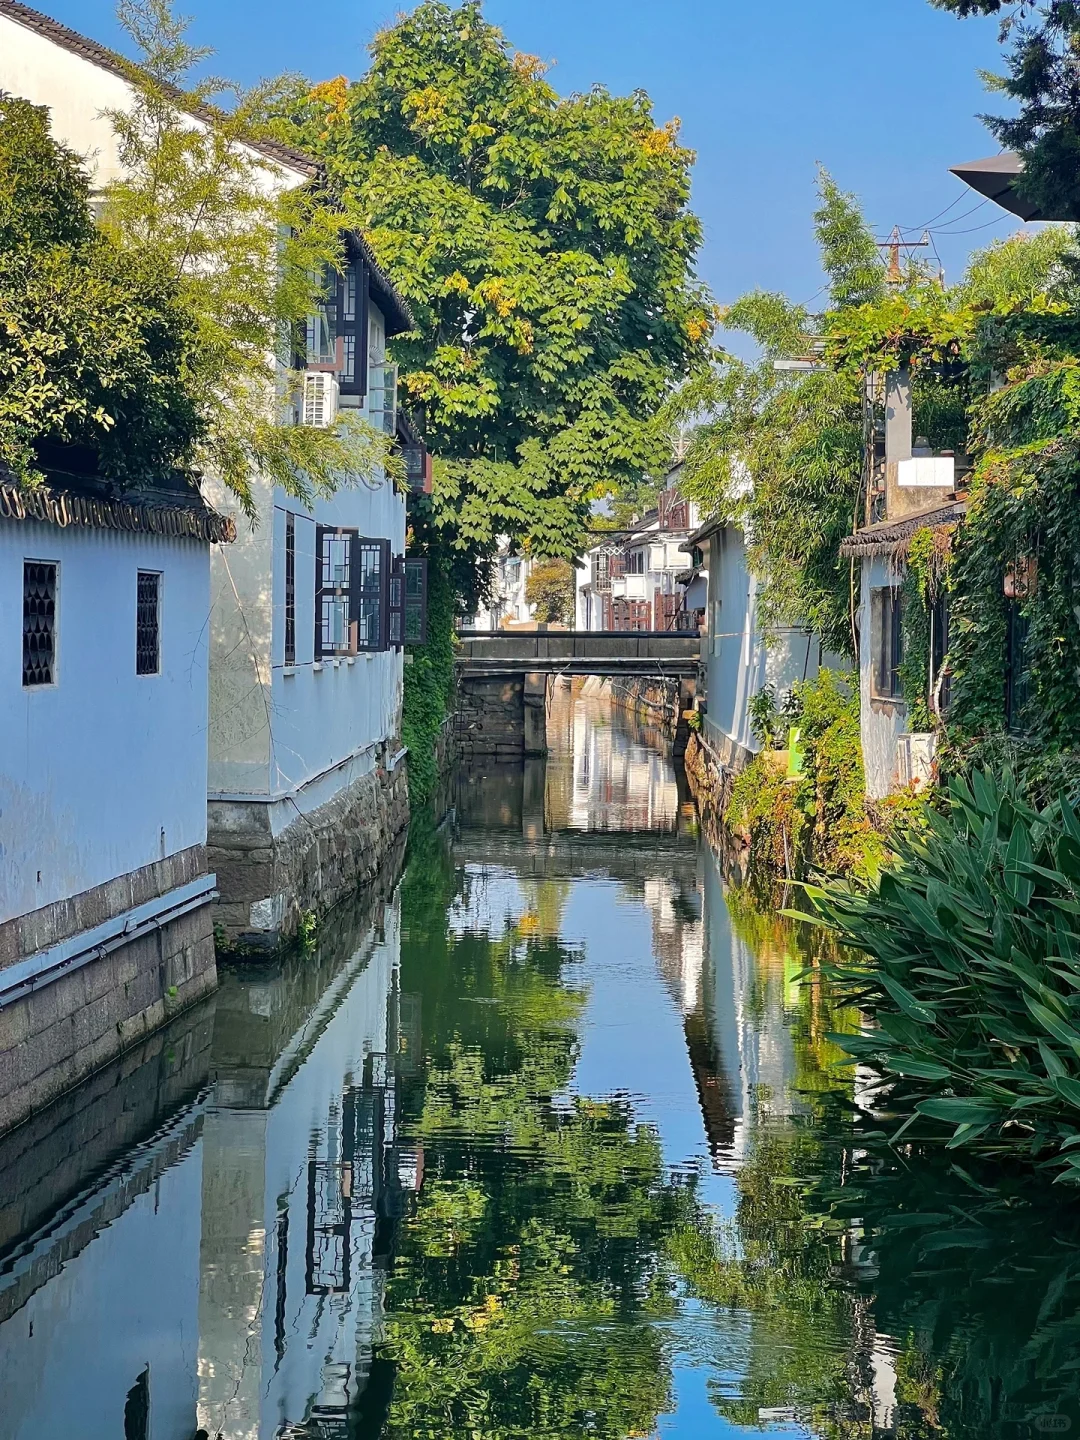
point(554, 1142)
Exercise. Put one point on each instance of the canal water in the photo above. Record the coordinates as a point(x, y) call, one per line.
point(549, 1140)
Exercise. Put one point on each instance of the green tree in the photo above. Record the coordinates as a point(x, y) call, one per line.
point(546, 247)
point(94, 345)
point(551, 588)
point(1040, 80)
point(245, 246)
point(779, 452)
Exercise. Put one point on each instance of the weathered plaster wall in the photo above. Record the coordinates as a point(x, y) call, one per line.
point(882, 721)
point(740, 663)
point(105, 771)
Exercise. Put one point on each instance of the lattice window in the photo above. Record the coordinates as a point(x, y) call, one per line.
point(39, 622)
point(148, 624)
point(334, 617)
point(290, 588)
point(373, 561)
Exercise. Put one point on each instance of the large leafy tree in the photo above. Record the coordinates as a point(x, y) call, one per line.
point(94, 345)
point(779, 451)
point(546, 247)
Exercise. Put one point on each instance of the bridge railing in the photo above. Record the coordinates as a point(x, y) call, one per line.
point(548, 648)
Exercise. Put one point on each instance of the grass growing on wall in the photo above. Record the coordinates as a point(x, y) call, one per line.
point(429, 684)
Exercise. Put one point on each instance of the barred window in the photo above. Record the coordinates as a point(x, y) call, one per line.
point(39, 622)
point(290, 588)
point(148, 624)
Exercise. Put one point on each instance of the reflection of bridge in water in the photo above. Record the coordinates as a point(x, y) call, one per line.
point(568, 853)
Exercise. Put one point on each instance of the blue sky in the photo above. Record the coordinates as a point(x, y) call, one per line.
point(883, 92)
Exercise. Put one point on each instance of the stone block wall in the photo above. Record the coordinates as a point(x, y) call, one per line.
point(491, 717)
point(57, 1035)
point(64, 1147)
point(268, 882)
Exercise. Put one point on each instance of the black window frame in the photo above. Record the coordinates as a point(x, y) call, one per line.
point(364, 586)
point(289, 649)
point(147, 633)
point(887, 634)
point(40, 614)
point(416, 600)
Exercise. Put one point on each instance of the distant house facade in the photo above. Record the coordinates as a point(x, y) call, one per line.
point(637, 579)
point(912, 489)
point(507, 603)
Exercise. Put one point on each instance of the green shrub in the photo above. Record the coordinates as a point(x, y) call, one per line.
point(819, 821)
point(972, 974)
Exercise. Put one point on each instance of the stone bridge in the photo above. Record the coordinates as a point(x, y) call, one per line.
point(648, 653)
point(504, 678)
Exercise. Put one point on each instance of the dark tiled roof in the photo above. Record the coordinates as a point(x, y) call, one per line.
point(884, 537)
point(109, 60)
point(138, 512)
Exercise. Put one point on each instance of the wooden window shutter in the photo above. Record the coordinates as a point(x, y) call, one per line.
point(371, 593)
point(335, 581)
point(396, 608)
point(416, 583)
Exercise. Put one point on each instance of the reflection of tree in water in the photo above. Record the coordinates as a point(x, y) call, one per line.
point(888, 1293)
point(533, 1267)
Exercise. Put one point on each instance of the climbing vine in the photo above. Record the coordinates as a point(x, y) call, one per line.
point(926, 578)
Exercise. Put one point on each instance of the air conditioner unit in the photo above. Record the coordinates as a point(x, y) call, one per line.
point(320, 399)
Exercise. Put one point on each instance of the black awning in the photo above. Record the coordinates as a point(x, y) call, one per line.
point(995, 177)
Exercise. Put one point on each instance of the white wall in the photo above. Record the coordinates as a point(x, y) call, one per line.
point(740, 664)
point(274, 729)
point(78, 92)
point(104, 771)
point(882, 721)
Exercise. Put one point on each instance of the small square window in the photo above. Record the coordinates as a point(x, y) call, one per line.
point(148, 624)
point(39, 622)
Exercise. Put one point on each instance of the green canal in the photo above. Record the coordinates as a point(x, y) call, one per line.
point(548, 1139)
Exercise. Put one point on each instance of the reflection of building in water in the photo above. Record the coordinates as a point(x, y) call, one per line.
point(291, 1284)
point(620, 782)
point(99, 1289)
point(743, 1026)
point(678, 937)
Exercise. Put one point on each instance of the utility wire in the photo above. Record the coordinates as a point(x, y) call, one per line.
point(947, 234)
point(927, 223)
point(964, 215)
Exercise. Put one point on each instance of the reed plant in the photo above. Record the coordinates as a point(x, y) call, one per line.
point(965, 956)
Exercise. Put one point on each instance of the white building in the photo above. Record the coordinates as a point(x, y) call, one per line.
point(308, 613)
point(638, 579)
point(105, 900)
point(506, 604)
point(913, 490)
